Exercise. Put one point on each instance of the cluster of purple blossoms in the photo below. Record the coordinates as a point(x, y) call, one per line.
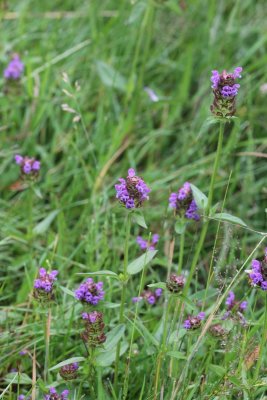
point(183, 203)
point(147, 245)
point(149, 296)
point(94, 328)
point(22, 397)
point(132, 191)
point(175, 283)
point(29, 167)
point(53, 395)
point(90, 292)
point(14, 69)
point(44, 284)
point(225, 91)
point(194, 322)
point(258, 273)
point(69, 371)
point(234, 307)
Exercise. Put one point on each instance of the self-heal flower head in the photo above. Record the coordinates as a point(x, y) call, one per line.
point(147, 245)
point(14, 69)
point(44, 285)
point(183, 203)
point(175, 283)
point(29, 167)
point(235, 309)
point(218, 331)
point(69, 371)
point(90, 292)
point(149, 296)
point(258, 273)
point(225, 90)
point(194, 322)
point(94, 329)
point(132, 191)
point(53, 395)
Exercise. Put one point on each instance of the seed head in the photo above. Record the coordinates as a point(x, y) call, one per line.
point(69, 371)
point(175, 283)
point(94, 328)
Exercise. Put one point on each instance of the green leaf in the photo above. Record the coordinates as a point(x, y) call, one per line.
point(66, 362)
point(107, 304)
point(220, 371)
point(37, 191)
point(108, 273)
point(106, 358)
point(138, 264)
point(139, 220)
point(68, 291)
point(142, 329)
point(22, 379)
point(137, 12)
point(199, 197)
point(160, 285)
point(114, 336)
point(176, 354)
point(110, 77)
point(45, 223)
point(229, 218)
point(180, 226)
point(236, 381)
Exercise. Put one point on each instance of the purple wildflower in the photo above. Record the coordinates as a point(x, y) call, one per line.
point(53, 395)
point(132, 191)
point(14, 69)
point(44, 284)
point(23, 352)
point(29, 167)
point(234, 308)
point(194, 322)
point(69, 371)
point(94, 328)
point(258, 273)
point(183, 203)
point(175, 283)
point(225, 91)
point(21, 397)
point(90, 292)
point(149, 296)
point(145, 244)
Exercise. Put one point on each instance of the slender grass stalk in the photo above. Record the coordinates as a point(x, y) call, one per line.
point(123, 292)
point(47, 344)
point(210, 198)
point(181, 253)
point(262, 343)
point(163, 347)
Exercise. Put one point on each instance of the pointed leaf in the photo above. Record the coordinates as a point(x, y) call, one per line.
point(199, 197)
point(159, 285)
point(176, 354)
point(229, 218)
point(22, 379)
point(140, 220)
point(109, 76)
point(180, 226)
point(138, 264)
point(67, 291)
point(106, 358)
point(66, 362)
point(45, 223)
point(114, 336)
point(110, 274)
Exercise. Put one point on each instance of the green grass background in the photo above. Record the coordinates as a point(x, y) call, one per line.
point(111, 50)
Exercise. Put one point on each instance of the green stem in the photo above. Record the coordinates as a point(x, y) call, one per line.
point(262, 344)
point(123, 293)
point(210, 198)
point(163, 348)
point(181, 253)
point(47, 342)
point(126, 379)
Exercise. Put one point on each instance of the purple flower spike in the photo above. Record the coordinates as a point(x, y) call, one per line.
point(69, 371)
point(258, 273)
point(149, 296)
point(158, 292)
point(201, 315)
point(187, 324)
point(14, 69)
point(53, 395)
point(29, 167)
point(21, 397)
point(132, 191)
point(194, 322)
point(90, 292)
point(145, 244)
point(225, 90)
point(235, 309)
point(183, 203)
point(44, 285)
